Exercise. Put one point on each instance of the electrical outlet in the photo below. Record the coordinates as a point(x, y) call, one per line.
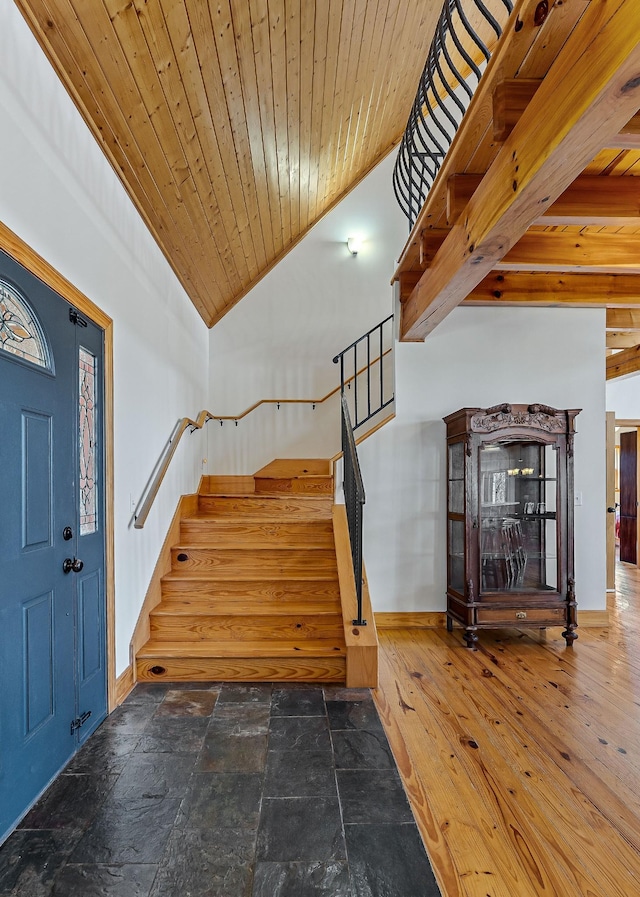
point(578, 499)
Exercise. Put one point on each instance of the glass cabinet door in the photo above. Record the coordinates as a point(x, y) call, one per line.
point(455, 500)
point(518, 523)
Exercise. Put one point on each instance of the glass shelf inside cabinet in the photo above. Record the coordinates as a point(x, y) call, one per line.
point(518, 531)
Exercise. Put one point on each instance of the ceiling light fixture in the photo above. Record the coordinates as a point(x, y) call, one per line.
point(354, 244)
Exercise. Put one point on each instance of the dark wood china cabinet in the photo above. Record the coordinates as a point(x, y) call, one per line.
point(510, 519)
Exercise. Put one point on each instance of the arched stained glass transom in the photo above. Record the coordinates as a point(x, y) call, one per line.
point(20, 331)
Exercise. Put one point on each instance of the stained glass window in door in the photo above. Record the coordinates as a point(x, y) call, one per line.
point(20, 332)
point(87, 453)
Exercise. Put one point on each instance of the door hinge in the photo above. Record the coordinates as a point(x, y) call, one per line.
point(80, 721)
point(75, 318)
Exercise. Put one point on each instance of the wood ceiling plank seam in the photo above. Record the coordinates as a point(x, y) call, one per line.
point(321, 36)
point(512, 48)
point(293, 56)
point(117, 148)
point(207, 98)
point(192, 36)
point(184, 204)
point(128, 31)
point(365, 82)
point(278, 62)
point(391, 112)
point(352, 91)
point(243, 36)
point(338, 37)
point(211, 200)
point(403, 83)
point(305, 105)
point(590, 91)
point(262, 59)
point(378, 131)
point(331, 181)
point(225, 42)
point(328, 93)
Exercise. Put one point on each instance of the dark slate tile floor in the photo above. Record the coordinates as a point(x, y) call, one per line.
point(225, 790)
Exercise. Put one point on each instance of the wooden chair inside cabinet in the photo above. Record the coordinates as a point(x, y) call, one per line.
point(504, 558)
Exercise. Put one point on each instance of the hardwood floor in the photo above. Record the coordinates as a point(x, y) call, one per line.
point(522, 759)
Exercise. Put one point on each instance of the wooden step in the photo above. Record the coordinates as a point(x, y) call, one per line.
point(251, 562)
point(312, 590)
point(309, 475)
point(262, 660)
point(171, 626)
point(258, 532)
point(250, 606)
point(252, 506)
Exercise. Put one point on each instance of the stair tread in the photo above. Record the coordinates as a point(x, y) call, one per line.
point(235, 648)
point(246, 545)
point(242, 519)
point(269, 496)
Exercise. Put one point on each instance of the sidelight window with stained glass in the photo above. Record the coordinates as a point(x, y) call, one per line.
point(20, 332)
point(87, 454)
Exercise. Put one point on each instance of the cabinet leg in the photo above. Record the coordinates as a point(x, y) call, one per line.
point(471, 638)
point(449, 624)
point(570, 635)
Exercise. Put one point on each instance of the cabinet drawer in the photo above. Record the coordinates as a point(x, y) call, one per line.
point(552, 616)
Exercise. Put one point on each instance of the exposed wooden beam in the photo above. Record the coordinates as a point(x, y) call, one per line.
point(625, 362)
point(589, 93)
point(518, 288)
point(623, 319)
point(602, 201)
point(557, 251)
point(512, 96)
point(625, 339)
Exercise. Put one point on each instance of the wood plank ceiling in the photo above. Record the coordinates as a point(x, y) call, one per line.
point(235, 125)
point(538, 200)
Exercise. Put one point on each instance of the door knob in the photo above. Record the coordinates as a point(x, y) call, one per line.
point(611, 510)
point(70, 564)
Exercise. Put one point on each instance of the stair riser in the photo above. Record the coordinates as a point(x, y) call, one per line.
point(258, 535)
point(285, 669)
point(185, 627)
point(276, 592)
point(253, 563)
point(259, 506)
point(303, 485)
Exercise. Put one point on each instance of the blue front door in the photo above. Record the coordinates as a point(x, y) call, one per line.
point(52, 606)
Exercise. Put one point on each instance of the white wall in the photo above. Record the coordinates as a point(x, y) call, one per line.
point(279, 341)
point(623, 397)
point(61, 197)
point(478, 358)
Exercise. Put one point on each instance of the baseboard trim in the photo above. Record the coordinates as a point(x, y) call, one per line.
point(124, 685)
point(593, 619)
point(587, 619)
point(411, 620)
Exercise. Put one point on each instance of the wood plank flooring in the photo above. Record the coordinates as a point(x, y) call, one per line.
point(522, 759)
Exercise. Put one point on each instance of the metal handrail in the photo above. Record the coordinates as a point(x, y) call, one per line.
point(354, 500)
point(374, 403)
point(186, 423)
point(457, 54)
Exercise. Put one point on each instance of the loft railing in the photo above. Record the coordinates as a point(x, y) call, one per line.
point(465, 37)
point(354, 499)
point(362, 369)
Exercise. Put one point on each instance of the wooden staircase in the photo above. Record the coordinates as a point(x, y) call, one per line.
point(253, 593)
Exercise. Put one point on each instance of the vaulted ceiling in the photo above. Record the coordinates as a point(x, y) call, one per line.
point(235, 125)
